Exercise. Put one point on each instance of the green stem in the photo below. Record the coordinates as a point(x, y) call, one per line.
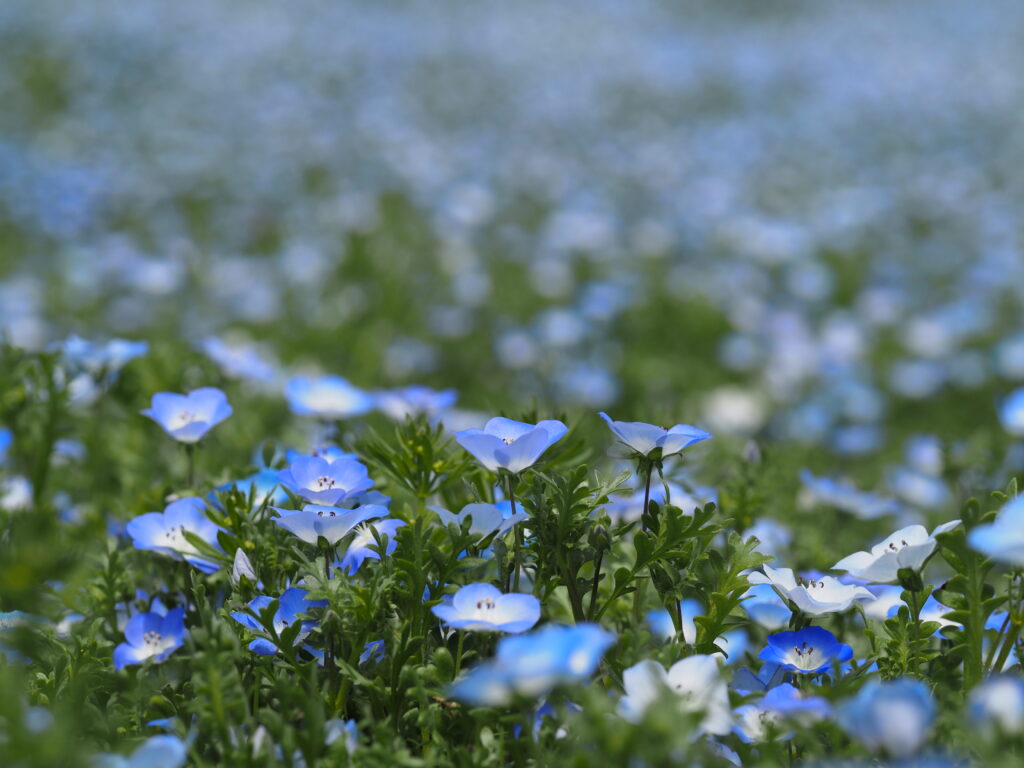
point(458, 653)
point(1011, 638)
point(190, 455)
point(597, 580)
point(517, 553)
point(647, 487)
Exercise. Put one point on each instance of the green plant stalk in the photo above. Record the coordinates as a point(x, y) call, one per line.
point(597, 581)
point(975, 627)
point(458, 653)
point(517, 553)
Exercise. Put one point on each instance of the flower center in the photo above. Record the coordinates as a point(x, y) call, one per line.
point(485, 605)
point(324, 482)
point(330, 513)
point(508, 440)
point(152, 640)
point(894, 548)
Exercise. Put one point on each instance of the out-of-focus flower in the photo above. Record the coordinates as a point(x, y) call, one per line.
point(646, 439)
point(997, 705)
point(163, 751)
point(510, 445)
point(292, 604)
point(485, 519)
point(696, 680)
point(733, 643)
point(889, 717)
point(399, 404)
point(765, 607)
point(782, 703)
point(6, 438)
point(866, 506)
point(154, 635)
point(362, 546)
point(1003, 539)
point(907, 548)
point(325, 482)
point(483, 608)
point(1011, 413)
point(810, 650)
point(187, 418)
point(314, 521)
point(326, 397)
point(813, 596)
point(237, 360)
point(164, 532)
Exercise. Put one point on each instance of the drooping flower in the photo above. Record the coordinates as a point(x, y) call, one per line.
point(1003, 539)
point(1011, 413)
point(154, 635)
point(164, 532)
point(697, 681)
point(187, 418)
point(399, 404)
point(314, 521)
point(511, 445)
point(810, 650)
point(646, 439)
point(814, 596)
point(163, 751)
point(532, 665)
point(362, 546)
point(483, 608)
point(485, 519)
point(907, 548)
point(326, 397)
point(292, 604)
point(997, 705)
point(891, 717)
point(320, 481)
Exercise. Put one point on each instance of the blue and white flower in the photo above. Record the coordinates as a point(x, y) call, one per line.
point(187, 418)
point(815, 597)
point(363, 544)
point(291, 606)
point(733, 643)
point(483, 608)
point(320, 481)
point(809, 650)
point(485, 519)
point(889, 717)
point(1003, 539)
point(333, 524)
point(765, 607)
point(399, 404)
point(909, 547)
point(997, 705)
point(165, 531)
point(163, 751)
point(1011, 413)
point(697, 681)
point(781, 704)
point(646, 439)
point(154, 635)
point(511, 445)
point(326, 397)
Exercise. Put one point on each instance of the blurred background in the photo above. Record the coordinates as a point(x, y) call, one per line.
point(798, 220)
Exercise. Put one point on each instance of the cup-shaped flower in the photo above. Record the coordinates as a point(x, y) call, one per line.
point(485, 519)
point(648, 439)
point(697, 681)
point(320, 481)
point(483, 608)
point(907, 548)
point(399, 404)
point(531, 665)
point(997, 706)
point(332, 523)
point(891, 717)
point(363, 544)
point(326, 397)
point(815, 597)
point(187, 418)
point(1002, 539)
point(163, 751)
point(164, 532)
point(1011, 413)
point(510, 445)
point(810, 650)
point(292, 604)
point(152, 635)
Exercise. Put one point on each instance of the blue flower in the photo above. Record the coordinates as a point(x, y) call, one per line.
point(6, 437)
point(326, 397)
point(510, 445)
point(764, 607)
point(485, 519)
point(237, 360)
point(163, 751)
point(187, 418)
point(812, 649)
point(399, 404)
point(1011, 413)
point(697, 680)
point(531, 665)
point(109, 357)
point(645, 439)
point(362, 546)
point(660, 622)
point(483, 608)
point(164, 532)
point(151, 635)
point(1003, 539)
point(781, 703)
point(892, 717)
point(314, 521)
point(997, 705)
point(325, 482)
point(291, 605)
point(264, 486)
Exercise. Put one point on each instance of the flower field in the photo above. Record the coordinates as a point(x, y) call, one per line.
point(526, 384)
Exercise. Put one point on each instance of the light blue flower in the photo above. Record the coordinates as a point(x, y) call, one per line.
point(645, 439)
point(997, 705)
point(292, 604)
point(163, 751)
point(264, 486)
point(1011, 413)
point(812, 649)
point(187, 418)
point(108, 357)
point(363, 544)
point(909, 547)
point(816, 596)
point(1003, 539)
point(889, 717)
point(531, 665)
point(332, 523)
point(781, 704)
point(698, 682)
point(154, 635)
point(510, 445)
point(485, 519)
point(237, 360)
point(164, 532)
point(326, 397)
point(400, 404)
point(325, 482)
point(6, 438)
point(862, 504)
point(483, 608)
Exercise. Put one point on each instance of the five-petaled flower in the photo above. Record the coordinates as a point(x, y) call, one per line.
point(647, 439)
point(187, 418)
point(907, 548)
point(152, 635)
point(812, 596)
point(809, 650)
point(332, 523)
point(483, 608)
point(511, 445)
point(165, 531)
point(323, 481)
point(290, 606)
point(326, 397)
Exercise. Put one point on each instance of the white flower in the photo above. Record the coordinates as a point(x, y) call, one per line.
point(242, 568)
point(814, 596)
point(907, 548)
point(696, 680)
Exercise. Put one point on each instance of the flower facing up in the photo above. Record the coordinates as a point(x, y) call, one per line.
point(997, 705)
point(532, 665)
point(781, 704)
point(321, 481)
point(400, 404)
point(485, 519)
point(1011, 413)
point(187, 418)
point(163, 751)
point(891, 717)
point(812, 596)
point(812, 649)
point(696, 680)
point(648, 439)
point(362, 546)
point(164, 532)
point(326, 397)
point(1003, 539)
point(907, 548)
point(291, 605)
point(511, 445)
point(151, 635)
point(483, 608)
point(314, 521)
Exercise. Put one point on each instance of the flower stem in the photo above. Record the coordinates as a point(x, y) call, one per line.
point(597, 581)
point(458, 653)
point(190, 454)
point(647, 487)
point(517, 553)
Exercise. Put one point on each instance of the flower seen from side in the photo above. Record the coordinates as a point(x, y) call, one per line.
point(510, 445)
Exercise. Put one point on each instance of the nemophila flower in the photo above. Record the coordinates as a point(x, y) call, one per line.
point(329, 452)
point(332, 523)
point(532, 665)
point(485, 519)
point(886, 596)
point(237, 360)
point(187, 418)
point(773, 537)
point(889, 717)
point(164, 532)
point(813, 596)
point(511, 445)
point(15, 493)
point(483, 608)
point(696, 680)
point(163, 751)
point(653, 441)
point(833, 493)
point(997, 705)
point(6, 438)
point(810, 650)
point(242, 568)
point(292, 604)
point(1011, 413)
point(154, 635)
point(769, 676)
point(326, 397)
point(1002, 539)
point(97, 358)
point(917, 488)
point(263, 485)
point(782, 704)
point(631, 507)
point(325, 482)
point(765, 607)
point(373, 650)
point(400, 404)
point(932, 610)
point(363, 544)
point(907, 548)
point(733, 644)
